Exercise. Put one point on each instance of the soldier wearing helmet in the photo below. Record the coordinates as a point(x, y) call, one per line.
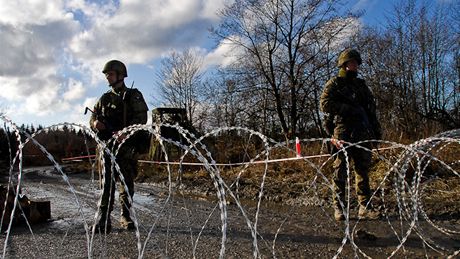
point(350, 105)
point(117, 67)
point(116, 109)
point(348, 55)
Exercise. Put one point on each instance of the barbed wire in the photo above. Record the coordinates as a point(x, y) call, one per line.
point(403, 201)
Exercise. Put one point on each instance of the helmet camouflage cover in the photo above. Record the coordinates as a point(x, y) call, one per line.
point(348, 55)
point(117, 66)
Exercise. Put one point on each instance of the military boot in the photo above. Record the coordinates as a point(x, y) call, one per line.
point(104, 224)
point(368, 212)
point(338, 213)
point(125, 220)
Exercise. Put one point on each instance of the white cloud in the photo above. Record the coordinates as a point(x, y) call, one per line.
point(32, 12)
point(224, 55)
point(339, 31)
point(141, 30)
point(52, 51)
point(33, 36)
point(75, 90)
point(211, 8)
point(76, 113)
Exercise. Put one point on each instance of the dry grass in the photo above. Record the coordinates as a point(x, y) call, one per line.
point(295, 179)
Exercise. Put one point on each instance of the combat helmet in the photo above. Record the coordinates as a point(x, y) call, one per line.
point(117, 66)
point(347, 55)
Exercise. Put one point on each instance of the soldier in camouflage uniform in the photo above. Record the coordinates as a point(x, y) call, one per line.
point(116, 109)
point(350, 104)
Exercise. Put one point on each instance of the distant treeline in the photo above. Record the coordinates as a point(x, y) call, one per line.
point(61, 142)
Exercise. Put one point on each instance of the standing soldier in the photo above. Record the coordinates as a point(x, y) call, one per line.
point(350, 105)
point(116, 109)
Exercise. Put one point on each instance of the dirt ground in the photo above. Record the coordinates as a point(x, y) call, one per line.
point(417, 221)
point(279, 210)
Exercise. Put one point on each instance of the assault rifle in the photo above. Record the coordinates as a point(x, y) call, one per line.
point(356, 110)
point(105, 134)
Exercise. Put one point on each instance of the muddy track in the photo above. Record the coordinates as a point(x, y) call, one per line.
point(178, 225)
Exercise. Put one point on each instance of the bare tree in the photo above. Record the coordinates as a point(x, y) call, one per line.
point(413, 57)
point(179, 80)
point(274, 40)
point(286, 50)
point(232, 100)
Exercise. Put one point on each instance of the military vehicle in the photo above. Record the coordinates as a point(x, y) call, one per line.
point(170, 116)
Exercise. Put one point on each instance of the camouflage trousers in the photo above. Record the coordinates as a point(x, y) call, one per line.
point(128, 168)
point(360, 162)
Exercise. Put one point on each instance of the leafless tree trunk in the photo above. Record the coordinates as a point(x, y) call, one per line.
point(179, 80)
point(275, 36)
point(412, 58)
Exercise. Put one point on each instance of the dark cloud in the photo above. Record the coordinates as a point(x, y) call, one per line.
point(28, 49)
point(22, 52)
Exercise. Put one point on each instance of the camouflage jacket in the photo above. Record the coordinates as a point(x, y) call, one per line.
point(120, 109)
point(351, 106)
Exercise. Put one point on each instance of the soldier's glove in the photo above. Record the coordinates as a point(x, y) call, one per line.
point(337, 143)
point(120, 138)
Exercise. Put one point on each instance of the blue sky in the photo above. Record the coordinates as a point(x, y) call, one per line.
point(52, 51)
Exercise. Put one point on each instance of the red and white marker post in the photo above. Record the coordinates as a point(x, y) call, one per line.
point(297, 147)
